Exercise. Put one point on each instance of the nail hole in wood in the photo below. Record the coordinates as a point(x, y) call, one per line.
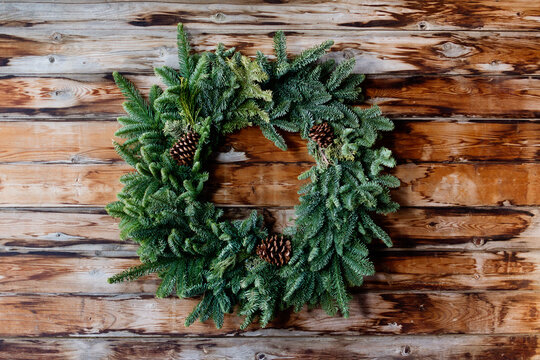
point(56, 37)
point(406, 350)
point(220, 17)
point(478, 242)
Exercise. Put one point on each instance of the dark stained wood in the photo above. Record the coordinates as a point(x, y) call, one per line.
point(455, 96)
point(95, 234)
point(297, 15)
point(395, 271)
point(411, 141)
point(376, 52)
point(493, 312)
point(479, 347)
point(96, 96)
point(276, 184)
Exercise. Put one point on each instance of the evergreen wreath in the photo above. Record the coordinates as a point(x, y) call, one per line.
point(186, 241)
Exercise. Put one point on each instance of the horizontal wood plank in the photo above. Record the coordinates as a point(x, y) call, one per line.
point(267, 184)
point(395, 271)
point(411, 141)
point(479, 347)
point(96, 234)
point(495, 312)
point(376, 52)
point(239, 14)
point(96, 96)
point(68, 142)
point(421, 184)
point(469, 185)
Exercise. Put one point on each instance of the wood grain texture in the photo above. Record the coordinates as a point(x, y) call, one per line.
point(95, 96)
point(297, 15)
point(421, 184)
point(376, 52)
point(276, 184)
point(461, 79)
point(411, 141)
point(446, 347)
point(494, 312)
point(93, 233)
point(395, 271)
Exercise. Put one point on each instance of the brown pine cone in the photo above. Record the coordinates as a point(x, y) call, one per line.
point(322, 134)
point(275, 249)
point(184, 149)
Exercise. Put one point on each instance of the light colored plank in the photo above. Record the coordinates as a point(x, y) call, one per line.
point(470, 185)
point(59, 185)
point(247, 15)
point(495, 312)
point(395, 271)
point(70, 51)
point(464, 228)
point(276, 184)
point(96, 96)
point(411, 141)
point(421, 184)
point(71, 142)
point(443, 347)
point(96, 234)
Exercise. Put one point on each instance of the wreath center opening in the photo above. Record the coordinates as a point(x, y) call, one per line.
point(248, 170)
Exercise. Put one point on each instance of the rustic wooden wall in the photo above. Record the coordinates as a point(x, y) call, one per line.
point(461, 80)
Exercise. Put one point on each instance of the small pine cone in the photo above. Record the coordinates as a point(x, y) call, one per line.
point(275, 249)
point(184, 149)
point(322, 134)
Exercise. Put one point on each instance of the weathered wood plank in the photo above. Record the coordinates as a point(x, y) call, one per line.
point(298, 15)
point(72, 142)
point(399, 53)
point(494, 312)
point(463, 228)
point(465, 141)
point(69, 273)
point(470, 185)
point(276, 184)
point(421, 185)
point(96, 96)
point(411, 141)
point(442, 347)
point(96, 234)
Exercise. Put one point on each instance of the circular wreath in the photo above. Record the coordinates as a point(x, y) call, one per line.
point(188, 243)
